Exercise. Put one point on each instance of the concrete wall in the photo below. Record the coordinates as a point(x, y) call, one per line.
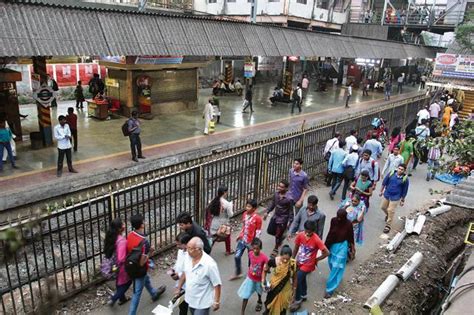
point(320, 14)
point(238, 7)
point(365, 30)
point(271, 8)
point(301, 10)
point(339, 17)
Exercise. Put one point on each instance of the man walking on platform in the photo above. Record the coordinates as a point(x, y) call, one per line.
point(62, 133)
point(348, 94)
point(134, 135)
point(186, 224)
point(202, 278)
point(299, 183)
point(296, 96)
point(71, 120)
point(394, 190)
point(309, 213)
point(336, 168)
point(136, 240)
point(282, 202)
point(248, 98)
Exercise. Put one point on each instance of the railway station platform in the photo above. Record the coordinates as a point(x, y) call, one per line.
point(104, 155)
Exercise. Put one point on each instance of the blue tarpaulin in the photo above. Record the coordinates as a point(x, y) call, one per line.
point(452, 179)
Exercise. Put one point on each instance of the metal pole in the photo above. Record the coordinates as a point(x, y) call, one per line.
point(383, 12)
point(253, 12)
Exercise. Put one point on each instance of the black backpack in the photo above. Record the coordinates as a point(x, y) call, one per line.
point(125, 131)
point(296, 97)
point(132, 262)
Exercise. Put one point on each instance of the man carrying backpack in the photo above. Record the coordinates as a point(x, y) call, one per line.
point(134, 135)
point(366, 162)
point(394, 190)
point(137, 263)
point(297, 95)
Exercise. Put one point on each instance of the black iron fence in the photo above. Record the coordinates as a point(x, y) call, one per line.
point(59, 252)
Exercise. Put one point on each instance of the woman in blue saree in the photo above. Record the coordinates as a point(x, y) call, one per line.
point(355, 210)
point(340, 241)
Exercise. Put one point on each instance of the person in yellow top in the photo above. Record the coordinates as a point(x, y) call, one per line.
point(283, 282)
point(460, 97)
point(446, 119)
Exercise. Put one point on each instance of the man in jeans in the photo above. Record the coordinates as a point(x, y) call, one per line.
point(394, 190)
point(62, 133)
point(282, 202)
point(299, 183)
point(336, 168)
point(251, 229)
point(133, 240)
point(307, 245)
point(135, 142)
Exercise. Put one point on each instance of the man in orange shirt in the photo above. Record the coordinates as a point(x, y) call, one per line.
point(134, 239)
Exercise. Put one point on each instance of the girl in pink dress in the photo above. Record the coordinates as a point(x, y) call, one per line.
point(116, 244)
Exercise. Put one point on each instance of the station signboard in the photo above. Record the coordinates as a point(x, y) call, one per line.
point(454, 66)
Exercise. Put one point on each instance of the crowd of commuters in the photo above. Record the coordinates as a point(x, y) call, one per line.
point(279, 279)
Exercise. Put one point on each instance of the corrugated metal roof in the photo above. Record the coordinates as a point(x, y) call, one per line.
point(36, 27)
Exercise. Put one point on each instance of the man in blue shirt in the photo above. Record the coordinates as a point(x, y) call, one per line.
point(336, 168)
point(394, 190)
point(350, 163)
point(374, 146)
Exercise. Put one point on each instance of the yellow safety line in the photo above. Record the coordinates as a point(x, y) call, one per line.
point(153, 146)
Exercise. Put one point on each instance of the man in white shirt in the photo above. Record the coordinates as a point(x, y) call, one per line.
point(348, 94)
point(400, 80)
point(62, 133)
point(423, 114)
point(351, 140)
point(435, 109)
point(393, 161)
point(305, 86)
point(203, 282)
point(331, 145)
point(207, 114)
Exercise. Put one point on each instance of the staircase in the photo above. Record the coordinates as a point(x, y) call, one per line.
point(468, 106)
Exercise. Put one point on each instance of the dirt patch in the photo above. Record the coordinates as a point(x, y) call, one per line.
point(442, 239)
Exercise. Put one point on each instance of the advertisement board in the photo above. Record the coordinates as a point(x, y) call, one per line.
point(66, 74)
point(86, 72)
point(454, 66)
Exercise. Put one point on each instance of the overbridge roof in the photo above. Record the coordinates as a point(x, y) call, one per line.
point(65, 28)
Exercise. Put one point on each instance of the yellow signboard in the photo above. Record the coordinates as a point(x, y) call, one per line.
point(111, 82)
point(470, 235)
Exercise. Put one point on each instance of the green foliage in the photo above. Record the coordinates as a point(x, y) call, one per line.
point(457, 146)
point(464, 34)
point(465, 31)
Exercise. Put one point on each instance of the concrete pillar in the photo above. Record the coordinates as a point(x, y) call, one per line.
point(44, 113)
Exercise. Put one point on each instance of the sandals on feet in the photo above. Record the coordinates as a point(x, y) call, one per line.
point(258, 308)
point(386, 230)
point(125, 300)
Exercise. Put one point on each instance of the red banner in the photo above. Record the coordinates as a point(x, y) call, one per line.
point(66, 74)
point(103, 72)
point(50, 71)
point(86, 72)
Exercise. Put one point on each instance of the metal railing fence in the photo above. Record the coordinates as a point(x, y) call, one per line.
point(60, 251)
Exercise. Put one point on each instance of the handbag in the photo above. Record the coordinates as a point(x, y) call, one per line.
point(272, 226)
point(223, 232)
point(349, 172)
point(212, 126)
point(109, 268)
point(327, 155)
